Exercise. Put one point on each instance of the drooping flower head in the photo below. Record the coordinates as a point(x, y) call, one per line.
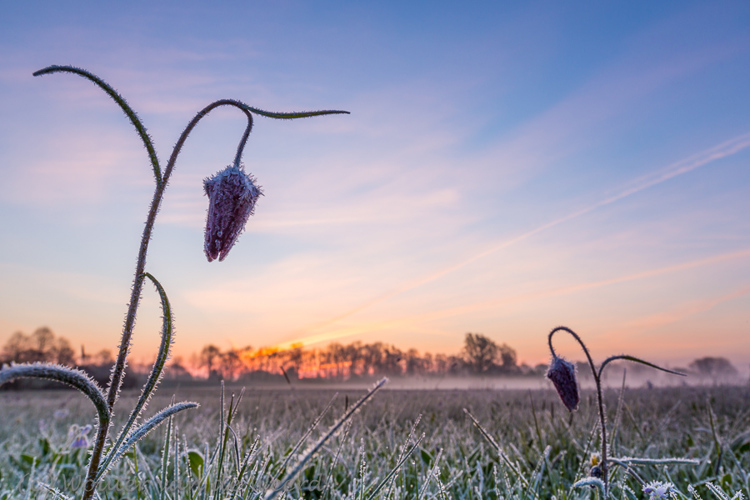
point(232, 194)
point(658, 490)
point(562, 373)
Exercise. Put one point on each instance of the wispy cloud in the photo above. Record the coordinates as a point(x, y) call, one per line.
point(418, 321)
point(681, 167)
point(683, 311)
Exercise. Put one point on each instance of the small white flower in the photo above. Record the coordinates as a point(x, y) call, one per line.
point(658, 490)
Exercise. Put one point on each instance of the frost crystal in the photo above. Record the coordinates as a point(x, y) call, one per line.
point(562, 373)
point(232, 195)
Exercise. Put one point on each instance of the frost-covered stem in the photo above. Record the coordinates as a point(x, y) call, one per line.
point(121, 363)
point(114, 387)
point(120, 101)
point(83, 383)
point(153, 380)
point(600, 400)
point(243, 141)
point(96, 456)
point(161, 184)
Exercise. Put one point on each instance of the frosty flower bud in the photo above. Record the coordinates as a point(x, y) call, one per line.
point(562, 373)
point(231, 198)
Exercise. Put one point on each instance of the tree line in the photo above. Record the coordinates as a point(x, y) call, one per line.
point(480, 356)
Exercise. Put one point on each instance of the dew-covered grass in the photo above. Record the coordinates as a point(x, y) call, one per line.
point(402, 444)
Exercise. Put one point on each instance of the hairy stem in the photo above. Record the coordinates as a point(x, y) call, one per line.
point(161, 184)
point(83, 383)
point(120, 101)
point(600, 400)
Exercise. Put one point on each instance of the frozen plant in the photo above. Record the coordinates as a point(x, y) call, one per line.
point(562, 374)
point(232, 196)
point(658, 490)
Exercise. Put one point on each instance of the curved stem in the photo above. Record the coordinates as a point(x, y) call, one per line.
point(117, 372)
point(243, 141)
point(583, 346)
point(120, 364)
point(602, 416)
point(627, 357)
point(153, 380)
point(116, 378)
point(120, 101)
point(83, 383)
point(161, 184)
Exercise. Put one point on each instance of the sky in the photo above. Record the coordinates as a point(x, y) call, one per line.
point(506, 168)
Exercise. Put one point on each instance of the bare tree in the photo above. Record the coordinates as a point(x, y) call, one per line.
point(41, 346)
point(208, 357)
point(480, 352)
point(718, 369)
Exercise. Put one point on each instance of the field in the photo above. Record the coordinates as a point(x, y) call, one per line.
point(401, 444)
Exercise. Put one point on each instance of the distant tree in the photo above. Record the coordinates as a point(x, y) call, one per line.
point(104, 357)
point(480, 352)
point(176, 369)
point(508, 359)
point(40, 346)
point(414, 362)
point(231, 364)
point(441, 363)
point(295, 358)
point(353, 358)
point(391, 362)
point(208, 358)
point(335, 358)
point(716, 368)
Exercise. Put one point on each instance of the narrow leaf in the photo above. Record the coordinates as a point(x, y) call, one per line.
point(63, 374)
point(144, 429)
point(156, 371)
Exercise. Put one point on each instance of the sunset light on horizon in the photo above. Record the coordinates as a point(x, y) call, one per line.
point(505, 169)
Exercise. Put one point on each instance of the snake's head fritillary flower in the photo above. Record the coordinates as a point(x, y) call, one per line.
point(232, 194)
point(562, 373)
point(81, 436)
point(658, 490)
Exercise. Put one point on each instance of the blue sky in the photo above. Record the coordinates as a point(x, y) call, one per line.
point(506, 168)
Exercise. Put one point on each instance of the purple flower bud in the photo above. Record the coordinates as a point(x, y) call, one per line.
point(658, 490)
point(562, 373)
point(80, 442)
point(231, 198)
point(80, 436)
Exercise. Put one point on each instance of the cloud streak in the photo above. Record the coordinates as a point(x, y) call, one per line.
point(723, 150)
point(648, 322)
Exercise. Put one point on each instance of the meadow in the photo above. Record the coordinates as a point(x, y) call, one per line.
point(271, 443)
point(401, 444)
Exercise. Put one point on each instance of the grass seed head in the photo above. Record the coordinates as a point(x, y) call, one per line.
point(562, 373)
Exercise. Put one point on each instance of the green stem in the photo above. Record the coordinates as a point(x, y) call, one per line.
point(153, 380)
point(161, 184)
point(120, 101)
point(602, 415)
